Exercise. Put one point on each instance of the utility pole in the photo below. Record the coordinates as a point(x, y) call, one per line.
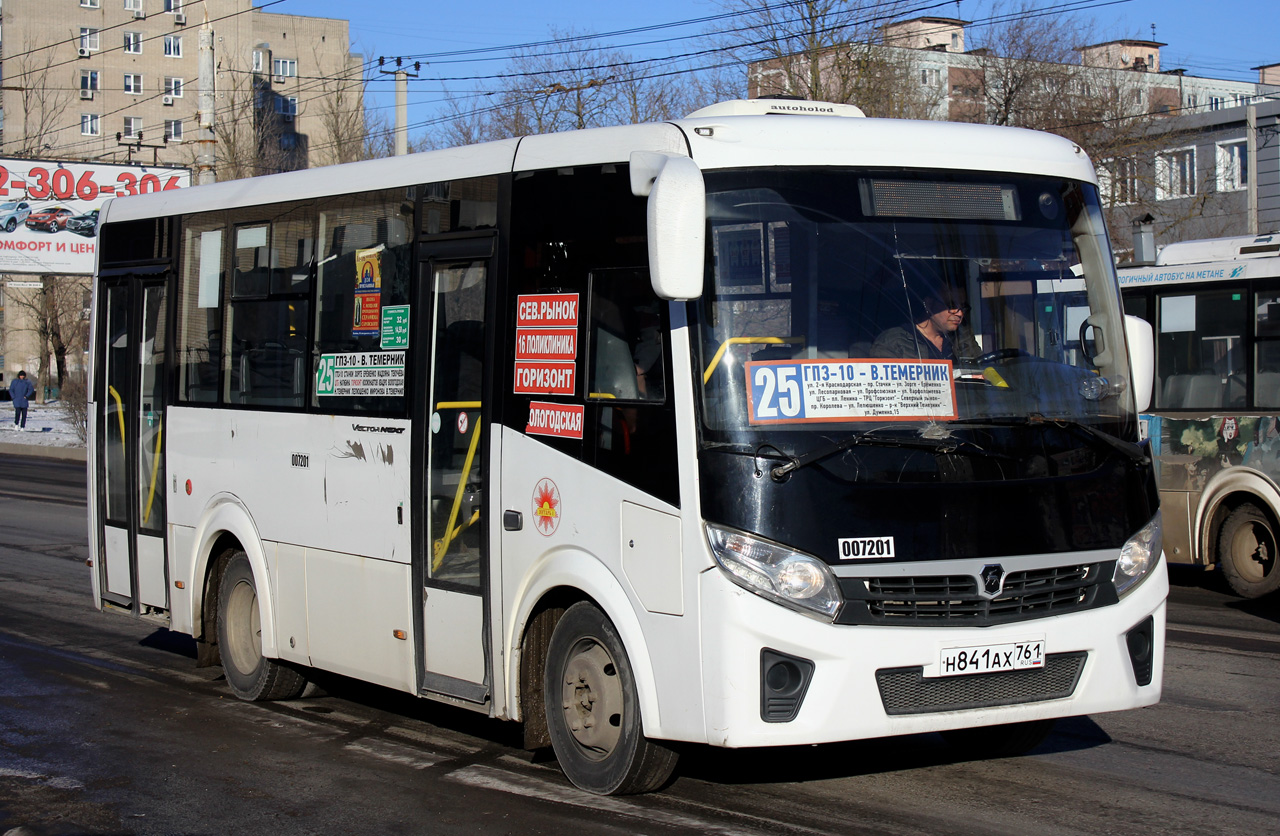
point(1251, 164)
point(206, 155)
point(402, 101)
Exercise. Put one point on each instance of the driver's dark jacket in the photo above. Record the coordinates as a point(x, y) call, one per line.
point(907, 342)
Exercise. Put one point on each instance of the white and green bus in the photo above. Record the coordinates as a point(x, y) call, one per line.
point(1215, 418)
point(595, 431)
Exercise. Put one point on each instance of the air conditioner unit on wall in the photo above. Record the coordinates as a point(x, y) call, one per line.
point(180, 19)
point(278, 79)
point(86, 94)
point(139, 14)
point(288, 117)
point(82, 52)
point(167, 101)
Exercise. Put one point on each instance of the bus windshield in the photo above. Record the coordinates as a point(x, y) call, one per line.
point(908, 309)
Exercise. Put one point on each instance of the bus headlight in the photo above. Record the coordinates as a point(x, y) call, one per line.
point(1138, 556)
point(788, 577)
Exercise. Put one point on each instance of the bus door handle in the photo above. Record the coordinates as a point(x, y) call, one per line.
point(512, 520)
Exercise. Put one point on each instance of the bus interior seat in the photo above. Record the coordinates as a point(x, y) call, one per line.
point(1204, 391)
point(271, 375)
point(1266, 389)
point(1236, 391)
point(1174, 391)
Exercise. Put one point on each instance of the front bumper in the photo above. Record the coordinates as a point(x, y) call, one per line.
point(843, 699)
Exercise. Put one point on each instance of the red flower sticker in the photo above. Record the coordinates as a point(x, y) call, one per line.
point(546, 507)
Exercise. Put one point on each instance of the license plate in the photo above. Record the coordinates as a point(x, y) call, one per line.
point(990, 658)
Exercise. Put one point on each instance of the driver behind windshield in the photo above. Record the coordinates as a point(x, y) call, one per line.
point(934, 330)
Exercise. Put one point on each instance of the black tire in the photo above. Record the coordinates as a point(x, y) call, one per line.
point(999, 741)
point(593, 713)
point(251, 675)
point(11, 225)
point(1247, 551)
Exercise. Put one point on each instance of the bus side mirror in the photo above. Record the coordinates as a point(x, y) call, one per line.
point(677, 221)
point(1142, 359)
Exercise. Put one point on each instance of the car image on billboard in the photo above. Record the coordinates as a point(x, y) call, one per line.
point(49, 218)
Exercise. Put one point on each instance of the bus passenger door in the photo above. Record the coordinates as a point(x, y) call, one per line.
point(453, 547)
point(131, 401)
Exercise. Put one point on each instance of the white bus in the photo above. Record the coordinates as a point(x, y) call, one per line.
point(1215, 308)
point(593, 431)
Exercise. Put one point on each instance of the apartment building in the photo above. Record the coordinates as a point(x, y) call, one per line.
point(1181, 166)
point(117, 81)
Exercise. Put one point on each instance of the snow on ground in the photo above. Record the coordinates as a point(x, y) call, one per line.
point(47, 426)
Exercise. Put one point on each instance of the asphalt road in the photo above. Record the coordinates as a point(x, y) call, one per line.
point(107, 726)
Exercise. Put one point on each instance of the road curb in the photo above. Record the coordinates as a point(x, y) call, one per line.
point(74, 454)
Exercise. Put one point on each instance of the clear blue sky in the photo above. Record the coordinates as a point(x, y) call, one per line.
point(1221, 39)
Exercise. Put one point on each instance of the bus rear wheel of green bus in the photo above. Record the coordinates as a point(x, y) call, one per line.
point(593, 712)
point(251, 675)
point(1247, 551)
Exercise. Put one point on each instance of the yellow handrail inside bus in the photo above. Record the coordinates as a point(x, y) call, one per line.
point(119, 412)
point(715, 360)
point(602, 395)
point(442, 545)
point(155, 466)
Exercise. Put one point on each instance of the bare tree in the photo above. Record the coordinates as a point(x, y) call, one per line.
point(829, 51)
point(34, 73)
point(571, 83)
point(342, 116)
point(52, 318)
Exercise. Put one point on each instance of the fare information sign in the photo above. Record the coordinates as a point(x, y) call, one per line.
point(811, 391)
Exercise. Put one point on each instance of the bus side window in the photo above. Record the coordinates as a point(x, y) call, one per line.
point(1266, 384)
point(627, 380)
point(1200, 360)
point(199, 290)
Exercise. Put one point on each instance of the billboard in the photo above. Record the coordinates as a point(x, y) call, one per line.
point(49, 209)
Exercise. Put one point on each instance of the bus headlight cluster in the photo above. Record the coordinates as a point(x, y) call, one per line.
point(1138, 556)
point(795, 580)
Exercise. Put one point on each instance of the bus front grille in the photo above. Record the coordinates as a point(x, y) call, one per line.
point(954, 600)
point(908, 691)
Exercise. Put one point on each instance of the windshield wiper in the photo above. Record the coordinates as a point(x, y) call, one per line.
point(1134, 452)
point(944, 446)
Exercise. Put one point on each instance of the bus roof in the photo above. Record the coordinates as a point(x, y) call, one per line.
point(1208, 260)
point(716, 137)
point(1220, 249)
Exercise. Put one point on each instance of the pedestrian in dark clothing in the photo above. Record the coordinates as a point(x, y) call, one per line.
point(21, 391)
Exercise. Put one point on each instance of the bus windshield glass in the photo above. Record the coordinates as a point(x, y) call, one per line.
point(898, 308)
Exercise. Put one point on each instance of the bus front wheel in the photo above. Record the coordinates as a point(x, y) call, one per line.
point(593, 712)
point(1247, 551)
point(251, 675)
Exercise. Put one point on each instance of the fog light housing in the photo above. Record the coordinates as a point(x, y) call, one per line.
point(1142, 650)
point(784, 680)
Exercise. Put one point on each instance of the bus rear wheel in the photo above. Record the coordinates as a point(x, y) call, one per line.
point(593, 711)
point(1002, 741)
point(1247, 551)
point(251, 675)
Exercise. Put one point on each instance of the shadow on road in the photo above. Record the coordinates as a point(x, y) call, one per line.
point(170, 642)
point(880, 756)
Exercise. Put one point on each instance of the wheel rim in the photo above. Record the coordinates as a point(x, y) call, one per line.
point(591, 697)
point(1253, 551)
point(244, 631)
